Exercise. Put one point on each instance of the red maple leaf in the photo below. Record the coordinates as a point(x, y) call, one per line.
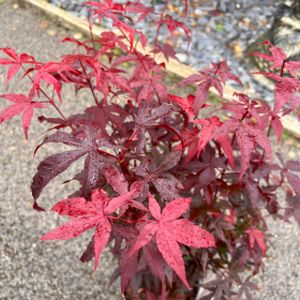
point(208, 127)
point(118, 182)
point(279, 59)
point(247, 137)
point(245, 107)
point(116, 11)
point(169, 231)
point(106, 9)
point(173, 24)
point(277, 126)
point(146, 78)
point(99, 115)
point(86, 215)
point(255, 235)
point(185, 104)
point(109, 40)
point(166, 184)
point(286, 91)
point(215, 77)
point(15, 61)
point(166, 50)
point(148, 117)
point(21, 105)
point(277, 56)
point(48, 73)
point(130, 265)
point(196, 140)
point(138, 8)
point(87, 144)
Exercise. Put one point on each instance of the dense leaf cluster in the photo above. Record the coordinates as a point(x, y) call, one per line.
point(175, 191)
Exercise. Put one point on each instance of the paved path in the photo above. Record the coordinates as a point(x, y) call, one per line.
point(35, 270)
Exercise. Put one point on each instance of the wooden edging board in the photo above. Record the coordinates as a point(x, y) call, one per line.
point(70, 21)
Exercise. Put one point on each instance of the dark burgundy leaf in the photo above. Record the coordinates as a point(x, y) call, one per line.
point(52, 166)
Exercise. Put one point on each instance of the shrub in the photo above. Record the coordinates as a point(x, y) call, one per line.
point(178, 192)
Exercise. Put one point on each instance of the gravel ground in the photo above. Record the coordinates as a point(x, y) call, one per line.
point(31, 269)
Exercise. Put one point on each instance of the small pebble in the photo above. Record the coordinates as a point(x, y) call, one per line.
point(51, 32)
point(292, 154)
point(77, 35)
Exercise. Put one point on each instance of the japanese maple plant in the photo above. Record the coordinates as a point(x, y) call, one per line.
point(178, 194)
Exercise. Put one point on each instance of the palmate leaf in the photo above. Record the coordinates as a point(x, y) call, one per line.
point(51, 167)
point(115, 203)
point(94, 116)
point(196, 140)
point(116, 179)
point(86, 215)
point(166, 50)
point(173, 24)
point(286, 92)
point(246, 287)
point(47, 73)
point(185, 104)
point(130, 265)
point(15, 62)
point(257, 236)
point(108, 9)
point(169, 231)
point(215, 77)
point(167, 185)
point(147, 76)
point(219, 288)
point(279, 59)
point(55, 164)
point(277, 56)
point(247, 137)
point(206, 134)
point(146, 118)
point(245, 107)
point(139, 8)
point(128, 142)
point(119, 184)
point(21, 105)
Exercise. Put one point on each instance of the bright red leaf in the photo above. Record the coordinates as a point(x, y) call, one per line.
point(215, 77)
point(257, 236)
point(21, 105)
point(169, 232)
point(86, 215)
point(15, 61)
